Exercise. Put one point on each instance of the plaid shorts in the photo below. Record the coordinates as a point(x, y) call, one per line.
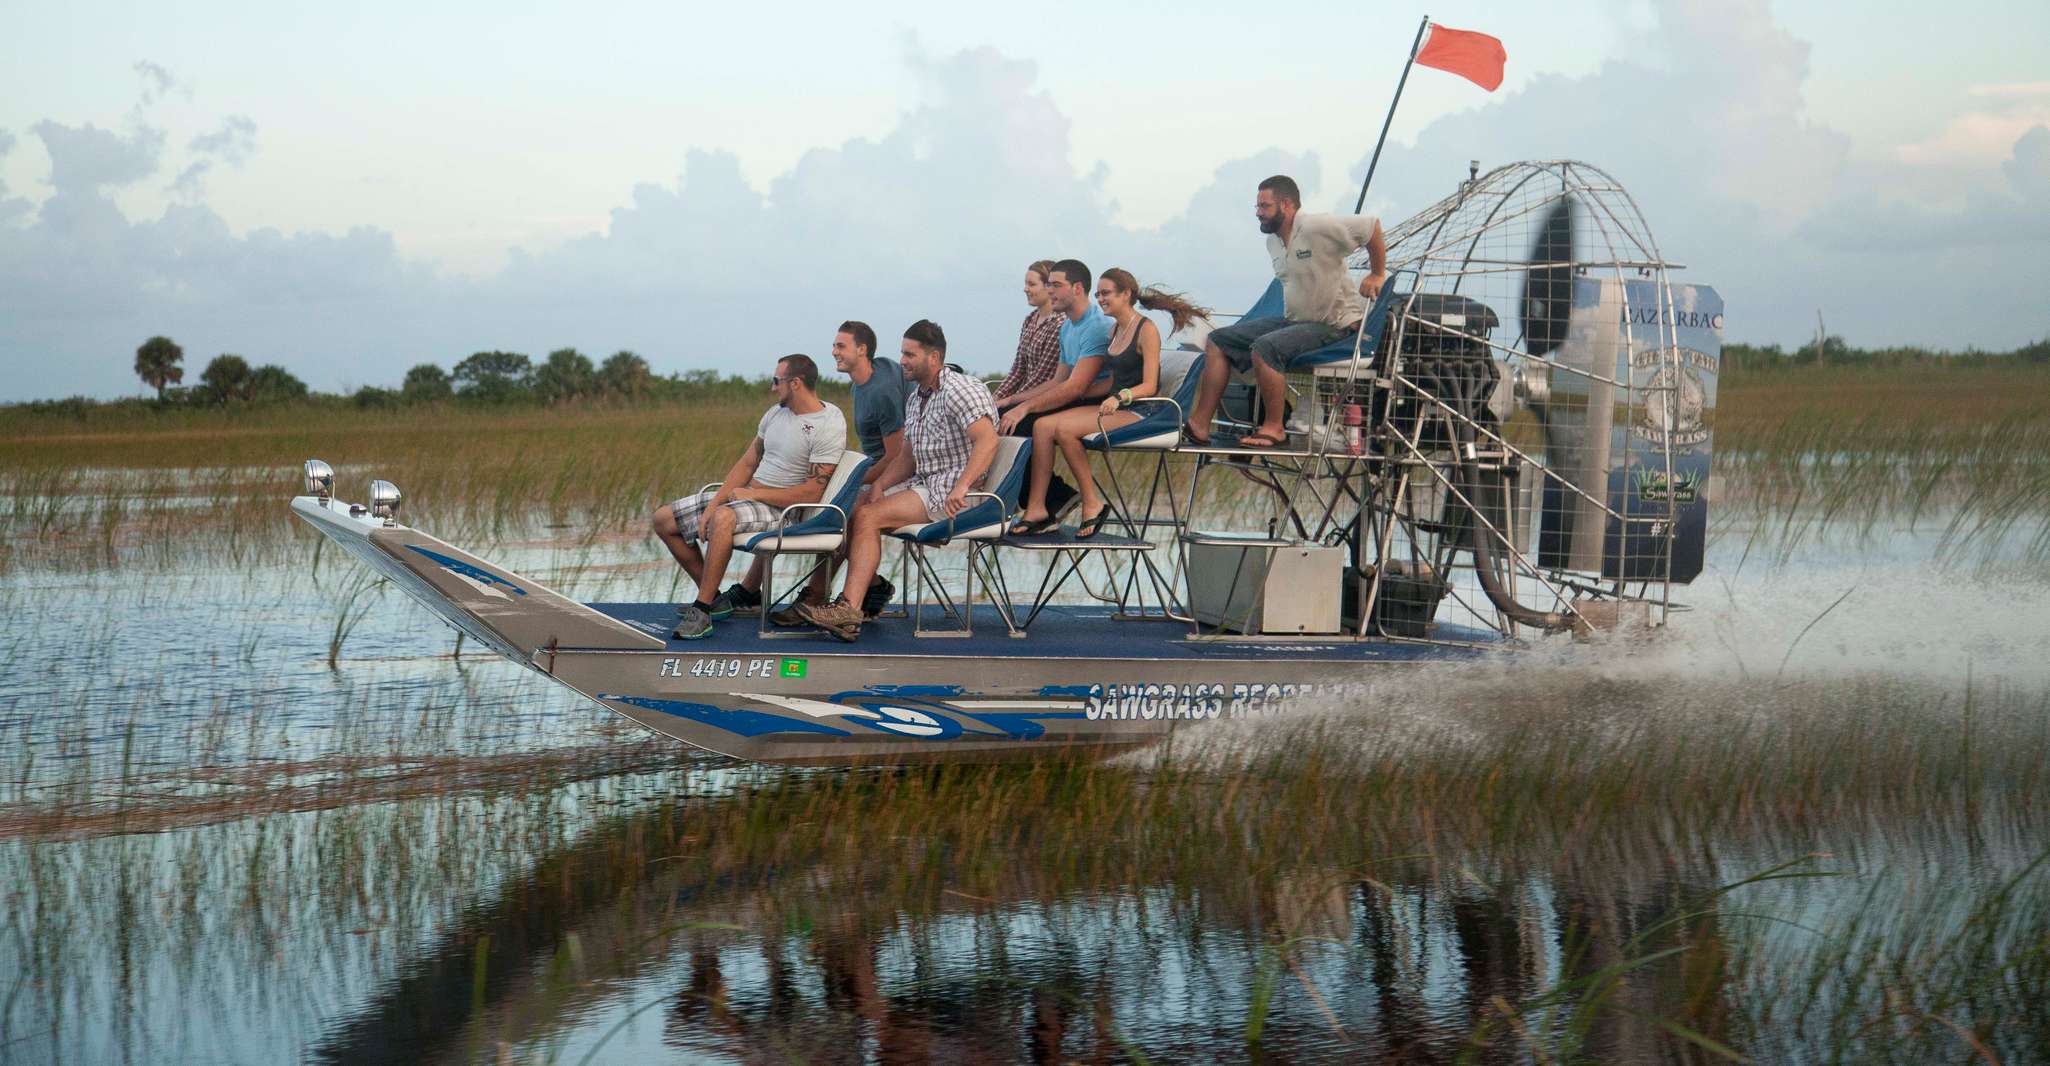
point(750, 516)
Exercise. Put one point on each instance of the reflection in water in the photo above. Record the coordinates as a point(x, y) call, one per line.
point(677, 931)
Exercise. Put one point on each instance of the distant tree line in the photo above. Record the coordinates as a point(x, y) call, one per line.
point(483, 379)
point(1834, 351)
point(568, 376)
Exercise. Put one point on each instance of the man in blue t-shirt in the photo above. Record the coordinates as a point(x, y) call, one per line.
point(1081, 379)
point(879, 391)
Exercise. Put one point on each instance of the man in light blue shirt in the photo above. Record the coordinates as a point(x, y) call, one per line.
point(1086, 336)
point(1085, 348)
point(1083, 378)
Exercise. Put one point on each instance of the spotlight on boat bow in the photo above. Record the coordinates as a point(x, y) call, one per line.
point(384, 502)
point(320, 480)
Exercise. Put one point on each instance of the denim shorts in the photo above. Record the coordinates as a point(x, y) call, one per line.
point(1274, 340)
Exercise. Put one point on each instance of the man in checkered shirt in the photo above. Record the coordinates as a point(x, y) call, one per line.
point(950, 424)
point(797, 447)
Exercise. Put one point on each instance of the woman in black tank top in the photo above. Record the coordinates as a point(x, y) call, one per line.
point(1134, 366)
point(1127, 366)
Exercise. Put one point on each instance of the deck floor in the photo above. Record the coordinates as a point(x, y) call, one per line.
point(1060, 632)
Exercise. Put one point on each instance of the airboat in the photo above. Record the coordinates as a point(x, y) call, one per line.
point(1513, 447)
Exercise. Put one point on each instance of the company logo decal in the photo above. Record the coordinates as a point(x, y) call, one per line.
point(920, 712)
point(1675, 397)
point(1651, 486)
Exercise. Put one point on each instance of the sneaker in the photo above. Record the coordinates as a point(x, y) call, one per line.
point(741, 599)
point(839, 618)
point(721, 607)
point(792, 616)
point(695, 624)
point(880, 593)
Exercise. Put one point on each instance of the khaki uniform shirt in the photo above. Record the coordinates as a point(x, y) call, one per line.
point(1315, 286)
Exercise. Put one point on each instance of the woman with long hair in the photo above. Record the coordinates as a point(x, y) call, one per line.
point(1039, 339)
point(1134, 365)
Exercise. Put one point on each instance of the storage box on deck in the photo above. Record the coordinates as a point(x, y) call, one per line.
point(1256, 585)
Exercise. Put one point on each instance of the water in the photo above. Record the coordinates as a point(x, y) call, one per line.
point(262, 813)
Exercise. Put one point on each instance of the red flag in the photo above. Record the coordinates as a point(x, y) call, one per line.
point(1476, 57)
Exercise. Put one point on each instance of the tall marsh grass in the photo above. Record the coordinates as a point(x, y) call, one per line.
point(156, 495)
point(1732, 874)
point(1799, 453)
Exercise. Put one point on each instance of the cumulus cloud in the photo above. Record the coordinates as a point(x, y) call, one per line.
point(1987, 215)
point(232, 143)
point(83, 158)
point(935, 218)
point(11, 208)
point(2028, 167)
point(1701, 120)
point(1983, 132)
point(938, 216)
point(157, 82)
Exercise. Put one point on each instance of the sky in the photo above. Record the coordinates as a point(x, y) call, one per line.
point(350, 190)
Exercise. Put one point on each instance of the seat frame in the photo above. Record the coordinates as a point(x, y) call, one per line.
point(772, 544)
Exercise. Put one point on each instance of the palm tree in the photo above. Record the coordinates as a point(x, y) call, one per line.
point(566, 375)
point(156, 363)
point(226, 378)
point(625, 374)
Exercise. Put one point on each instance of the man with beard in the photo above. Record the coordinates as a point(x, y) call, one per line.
point(1309, 253)
point(951, 439)
point(879, 391)
point(796, 448)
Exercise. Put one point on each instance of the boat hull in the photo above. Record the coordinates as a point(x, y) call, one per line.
point(1083, 682)
point(801, 704)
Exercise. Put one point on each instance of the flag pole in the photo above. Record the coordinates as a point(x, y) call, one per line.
point(1385, 123)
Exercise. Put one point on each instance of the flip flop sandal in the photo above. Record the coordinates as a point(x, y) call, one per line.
point(1028, 528)
point(1092, 524)
point(1257, 439)
point(1189, 436)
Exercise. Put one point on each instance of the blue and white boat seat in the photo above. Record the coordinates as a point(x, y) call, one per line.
point(1159, 431)
point(820, 533)
point(984, 521)
point(1159, 427)
point(1269, 305)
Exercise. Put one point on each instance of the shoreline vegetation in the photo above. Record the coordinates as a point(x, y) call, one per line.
point(1849, 445)
point(1760, 388)
point(497, 380)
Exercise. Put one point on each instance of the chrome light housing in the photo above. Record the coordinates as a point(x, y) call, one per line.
point(384, 502)
point(320, 480)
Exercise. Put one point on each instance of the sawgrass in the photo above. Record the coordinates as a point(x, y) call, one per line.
point(1799, 449)
point(1808, 452)
point(1610, 885)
